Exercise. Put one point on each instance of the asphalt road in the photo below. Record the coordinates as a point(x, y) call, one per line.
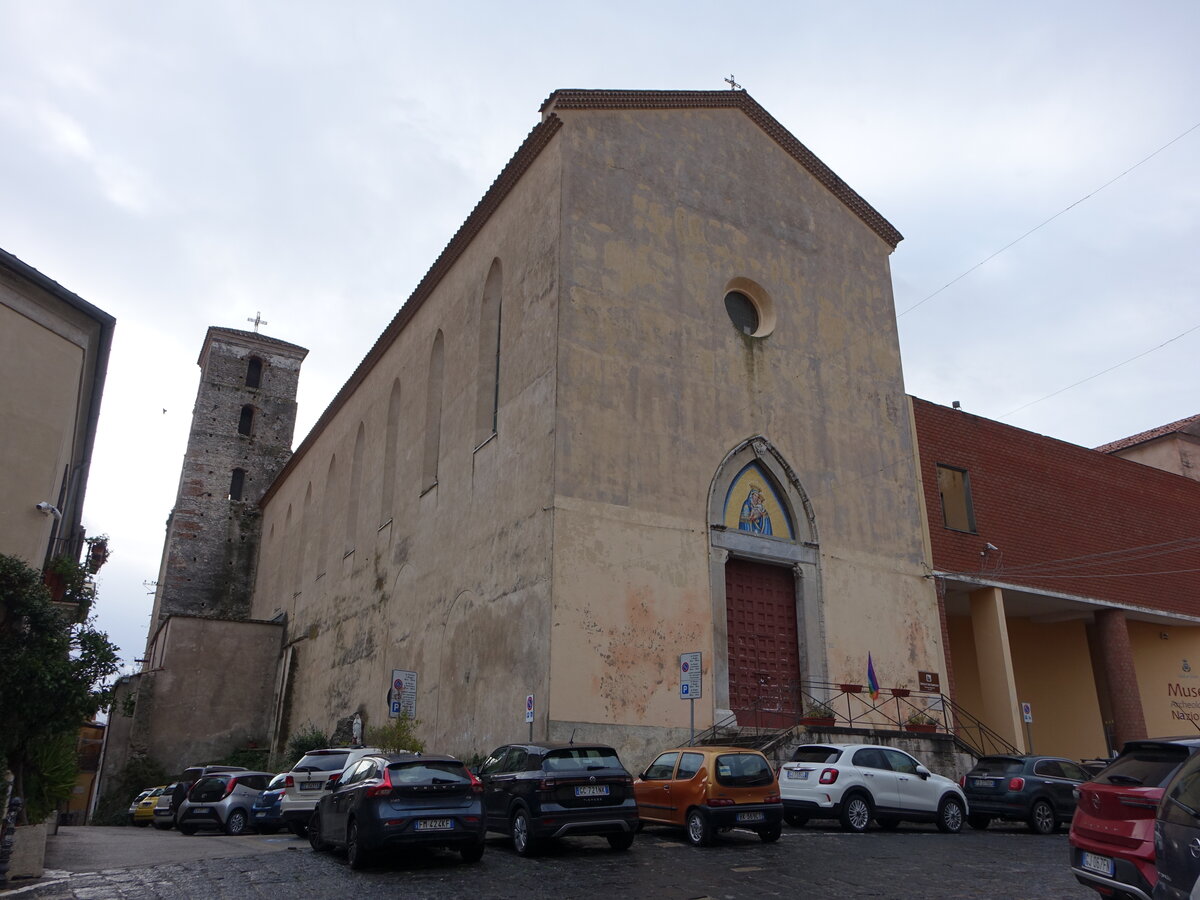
point(1005, 863)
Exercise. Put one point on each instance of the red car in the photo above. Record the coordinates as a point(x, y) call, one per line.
point(1112, 834)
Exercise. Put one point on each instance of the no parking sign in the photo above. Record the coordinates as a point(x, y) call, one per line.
point(402, 694)
point(529, 708)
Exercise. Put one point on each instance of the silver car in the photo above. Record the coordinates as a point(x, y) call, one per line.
point(222, 801)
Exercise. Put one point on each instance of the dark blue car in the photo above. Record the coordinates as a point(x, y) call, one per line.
point(265, 815)
point(391, 801)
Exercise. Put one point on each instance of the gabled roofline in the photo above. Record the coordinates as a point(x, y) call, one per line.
point(530, 149)
point(574, 98)
point(1189, 426)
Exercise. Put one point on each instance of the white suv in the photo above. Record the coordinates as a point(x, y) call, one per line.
point(855, 783)
point(316, 772)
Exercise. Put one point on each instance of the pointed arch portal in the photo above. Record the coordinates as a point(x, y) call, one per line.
point(768, 627)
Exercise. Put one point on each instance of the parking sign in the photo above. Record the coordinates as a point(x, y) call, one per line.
point(691, 683)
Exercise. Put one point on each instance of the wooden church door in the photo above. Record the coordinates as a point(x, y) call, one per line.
point(764, 662)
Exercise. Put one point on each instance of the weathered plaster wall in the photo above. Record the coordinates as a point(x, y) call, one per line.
point(1176, 453)
point(452, 582)
point(662, 209)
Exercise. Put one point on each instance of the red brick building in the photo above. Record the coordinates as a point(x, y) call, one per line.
point(1068, 579)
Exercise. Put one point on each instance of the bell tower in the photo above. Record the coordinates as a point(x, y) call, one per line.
point(241, 436)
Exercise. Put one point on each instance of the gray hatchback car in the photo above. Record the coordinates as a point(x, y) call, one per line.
point(1036, 790)
point(1177, 834)
point(222, 801)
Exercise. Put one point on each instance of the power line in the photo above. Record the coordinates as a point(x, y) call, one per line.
point(1098, 374)
point(1048, 221)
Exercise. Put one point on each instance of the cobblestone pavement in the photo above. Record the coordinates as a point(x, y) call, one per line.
point(1005, 863)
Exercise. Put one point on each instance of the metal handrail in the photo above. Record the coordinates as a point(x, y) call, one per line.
point(851, 705)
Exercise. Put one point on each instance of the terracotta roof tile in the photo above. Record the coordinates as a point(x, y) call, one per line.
point(1190, 425)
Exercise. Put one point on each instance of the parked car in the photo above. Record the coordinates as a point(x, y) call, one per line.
point(534, 792)
point(221, 801)
point(164, 808)
point(1036, 790)
point(855, 783)
point(167, 810)
point(143, 814)
point(314, 772)
point(1112, 834)
point(705, 790)
point(133, 805)
point(265, 814)
point(401, 800)
point(1177, 834)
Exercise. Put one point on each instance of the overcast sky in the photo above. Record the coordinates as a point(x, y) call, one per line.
point(188, 164)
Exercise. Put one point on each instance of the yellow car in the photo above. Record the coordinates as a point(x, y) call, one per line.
point(143, 813)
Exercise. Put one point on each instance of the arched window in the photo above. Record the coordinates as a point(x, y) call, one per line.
point(487, 402)
point(433, 415)
point(391, 442)
point(246, 421)
point(327, 507)
point(236, 484)
point(254, 372)
point(356, 467)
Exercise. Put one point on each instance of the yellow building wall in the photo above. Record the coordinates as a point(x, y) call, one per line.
point(40, 371)
point(1168, 674)
point(967, 692)
point(1053, 671)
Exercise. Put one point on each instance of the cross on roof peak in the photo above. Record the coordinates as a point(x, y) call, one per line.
point(733, 85)
point(257, 320)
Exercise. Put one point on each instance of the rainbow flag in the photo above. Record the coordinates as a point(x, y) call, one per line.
point(872, 681)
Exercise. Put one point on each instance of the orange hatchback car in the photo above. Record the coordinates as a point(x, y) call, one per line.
point(705, 790)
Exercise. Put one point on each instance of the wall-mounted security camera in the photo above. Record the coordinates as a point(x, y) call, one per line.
point(49, 509)
point(990, 546)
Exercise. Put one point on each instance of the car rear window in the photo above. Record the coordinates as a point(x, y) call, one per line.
point(321, 762)
point(816, 754)
point(743, 770)
point(1144, 766)
point(581, 759)
point(998, 765)
point(428, 772)
point(209, 787)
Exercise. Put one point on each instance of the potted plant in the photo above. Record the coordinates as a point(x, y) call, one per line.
point(919, 720)
point(900, 692)
point(850, 688)
point(817, 712)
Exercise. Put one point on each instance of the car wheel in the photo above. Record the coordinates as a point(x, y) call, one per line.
point(522, 834)
point(299, 829)
point(187, 829)
point(888, 823)
point(770, 833)
point(950, 815)
point(978, 822)
point(356, 854)
point(314, 834)
point(236, 823)
point(1041, 818)
point(472, 852)
point(699, 832)
point(856, 813)
point(620, 841)
point(795, 820)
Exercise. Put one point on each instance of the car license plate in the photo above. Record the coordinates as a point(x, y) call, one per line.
point(435, 824)
point(1095, 863)
point(592, 790)
point(982, 782)
point(260, 814)
point(798, 774)
point(201, 809)
point(311, 785)
point(751, 817)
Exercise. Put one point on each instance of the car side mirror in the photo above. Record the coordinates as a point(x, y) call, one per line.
point(923, 772)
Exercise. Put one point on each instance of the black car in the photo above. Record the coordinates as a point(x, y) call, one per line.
point(534, 792)
point(401, 800)
point(1037, 790)
point(1177, 834)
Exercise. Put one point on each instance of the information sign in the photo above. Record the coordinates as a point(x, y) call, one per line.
point(529, 708)
point(402, 694)
point(691, 681)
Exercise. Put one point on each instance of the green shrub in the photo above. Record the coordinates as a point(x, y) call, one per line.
point(139, 773)
point(50, 778)
point(399, 734)
point(302, 741)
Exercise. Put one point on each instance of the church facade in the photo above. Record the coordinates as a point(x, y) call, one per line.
point(647, 402)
